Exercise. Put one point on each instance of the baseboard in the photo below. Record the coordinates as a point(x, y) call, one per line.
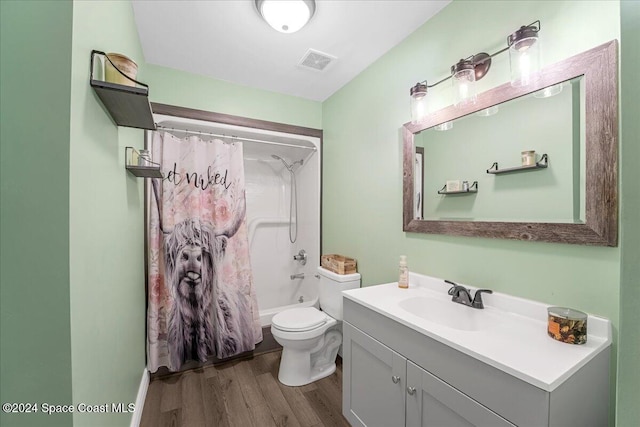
point(142, 394)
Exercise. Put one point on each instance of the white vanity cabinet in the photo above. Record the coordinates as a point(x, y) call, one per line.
point(395, 376)
point(383, 388)
point(433, 403)
point(374, 383)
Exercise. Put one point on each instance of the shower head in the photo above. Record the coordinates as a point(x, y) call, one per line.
point(287, 165)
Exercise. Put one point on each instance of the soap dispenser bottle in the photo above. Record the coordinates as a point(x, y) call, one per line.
point(403, 279)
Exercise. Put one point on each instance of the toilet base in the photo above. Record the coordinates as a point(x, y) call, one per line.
point(296, 378)
point(302, 367)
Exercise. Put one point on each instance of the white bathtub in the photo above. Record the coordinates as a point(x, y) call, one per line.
point(272, 265)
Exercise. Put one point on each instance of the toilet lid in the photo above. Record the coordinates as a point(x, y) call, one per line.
point(299, 319)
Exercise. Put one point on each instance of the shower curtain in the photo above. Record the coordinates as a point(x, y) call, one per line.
point(201, 301)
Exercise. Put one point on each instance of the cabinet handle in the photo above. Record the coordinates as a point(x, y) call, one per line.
point(411, 390)
point(395, 379)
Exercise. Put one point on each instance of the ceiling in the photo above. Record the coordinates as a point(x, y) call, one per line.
point(228, 40)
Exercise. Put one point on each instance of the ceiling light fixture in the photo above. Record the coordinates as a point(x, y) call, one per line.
point(286, 16)
point(524, 58)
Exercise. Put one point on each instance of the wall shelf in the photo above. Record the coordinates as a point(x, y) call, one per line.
point(139, 167)
point(543, 163)
point(473, 188)
point(127, 105)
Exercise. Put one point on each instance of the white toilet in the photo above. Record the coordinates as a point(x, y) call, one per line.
point(310, 338)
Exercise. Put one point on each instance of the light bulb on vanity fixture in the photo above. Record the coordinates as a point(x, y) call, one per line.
point(524, 54)
point(286, 16)
point(463, 83)
point(419, 107)
point(465, 74)
point(524, 48)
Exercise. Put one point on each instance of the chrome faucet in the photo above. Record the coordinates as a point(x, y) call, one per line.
point(302, 257)
point(461, 295)
point(297, 276)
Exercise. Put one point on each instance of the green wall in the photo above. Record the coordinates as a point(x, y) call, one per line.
point(73, 328)
point(106, 226)
point(363, 160)
point(35, 65)
point(363, 164)
point(107, 203)
point(628, 410)
point(174, 87)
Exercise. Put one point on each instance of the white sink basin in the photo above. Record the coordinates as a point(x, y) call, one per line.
point(448, 313)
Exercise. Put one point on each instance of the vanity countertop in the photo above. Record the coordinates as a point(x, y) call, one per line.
point(514, 336)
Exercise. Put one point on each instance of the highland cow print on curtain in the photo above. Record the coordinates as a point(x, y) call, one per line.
point(201, 301)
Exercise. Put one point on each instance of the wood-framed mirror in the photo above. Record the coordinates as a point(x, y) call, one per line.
point(595, 74)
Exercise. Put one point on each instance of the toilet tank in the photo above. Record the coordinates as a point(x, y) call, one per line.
point(330, 290)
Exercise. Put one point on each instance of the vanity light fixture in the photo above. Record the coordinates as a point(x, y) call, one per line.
point(286, 16)
point(524, 48)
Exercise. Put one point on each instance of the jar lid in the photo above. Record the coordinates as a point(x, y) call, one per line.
point(566, 313)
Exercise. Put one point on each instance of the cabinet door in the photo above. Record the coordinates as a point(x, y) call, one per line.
point(373, 381)
point(433, 403)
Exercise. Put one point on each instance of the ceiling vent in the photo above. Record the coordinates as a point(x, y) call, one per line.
point(316, 60)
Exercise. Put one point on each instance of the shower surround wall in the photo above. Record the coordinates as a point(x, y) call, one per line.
point(268, 188)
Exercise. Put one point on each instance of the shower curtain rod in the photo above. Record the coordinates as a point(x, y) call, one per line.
point(262, 141)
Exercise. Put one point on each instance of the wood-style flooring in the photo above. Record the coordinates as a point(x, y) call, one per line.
point(242, 393)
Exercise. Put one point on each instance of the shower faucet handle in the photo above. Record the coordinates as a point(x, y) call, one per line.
point(302, 257)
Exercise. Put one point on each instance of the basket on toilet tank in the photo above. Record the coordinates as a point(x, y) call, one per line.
point(338, 264)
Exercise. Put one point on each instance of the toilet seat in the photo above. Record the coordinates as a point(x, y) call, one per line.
point(299, 319)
